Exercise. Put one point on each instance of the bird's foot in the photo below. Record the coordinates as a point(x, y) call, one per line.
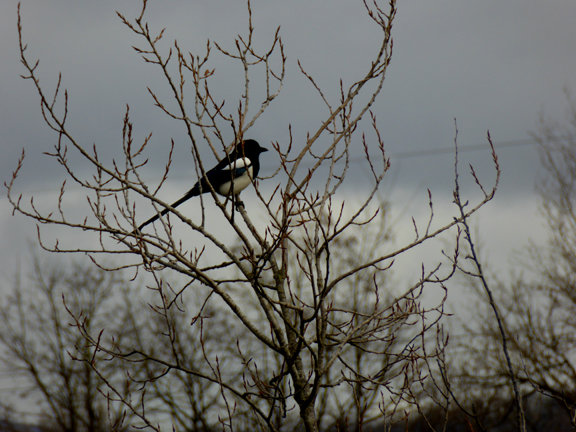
point(238, 204)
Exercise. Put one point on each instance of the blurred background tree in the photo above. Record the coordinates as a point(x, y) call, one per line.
point(39, 345)
point(538, 306)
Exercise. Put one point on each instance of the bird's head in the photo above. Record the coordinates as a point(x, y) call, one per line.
point(251, 147)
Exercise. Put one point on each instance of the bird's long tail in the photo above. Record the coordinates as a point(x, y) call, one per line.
point(191, 193)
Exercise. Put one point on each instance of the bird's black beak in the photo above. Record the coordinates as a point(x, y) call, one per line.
point(262, 149)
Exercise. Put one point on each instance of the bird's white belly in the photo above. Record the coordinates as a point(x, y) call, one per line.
point(240, 183)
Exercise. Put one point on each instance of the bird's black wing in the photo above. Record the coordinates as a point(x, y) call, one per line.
point(216, 176)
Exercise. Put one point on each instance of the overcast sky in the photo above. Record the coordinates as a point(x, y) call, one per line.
point(493, 65)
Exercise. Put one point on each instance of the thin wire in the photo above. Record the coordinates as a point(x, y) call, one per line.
point(474, 147)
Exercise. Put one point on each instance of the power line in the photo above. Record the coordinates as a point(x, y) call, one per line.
point(474, 147)
point(443, 150)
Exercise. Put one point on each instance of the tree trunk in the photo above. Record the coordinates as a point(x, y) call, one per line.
point(308, 415)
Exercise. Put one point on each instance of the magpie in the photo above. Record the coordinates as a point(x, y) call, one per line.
point(232, 175)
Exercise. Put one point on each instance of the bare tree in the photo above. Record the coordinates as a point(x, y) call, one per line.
point(39, 344)
point(285, 285)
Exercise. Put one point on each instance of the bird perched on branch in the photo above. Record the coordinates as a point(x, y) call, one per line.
point(232, 175)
